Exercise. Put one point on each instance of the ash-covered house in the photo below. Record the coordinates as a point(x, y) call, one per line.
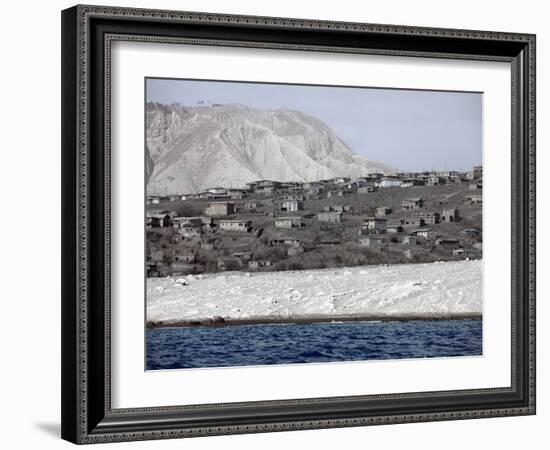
point(373, 225)
point(450, 215)
point(412, 203)
point(242, 225)
point(330, 216)
point(292, 205)
point(220, 209)
point(288, 222)
point(383, 211)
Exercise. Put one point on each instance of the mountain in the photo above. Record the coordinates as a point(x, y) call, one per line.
point(189, 149)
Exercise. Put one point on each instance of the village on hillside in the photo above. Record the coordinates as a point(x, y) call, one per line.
point(342, 222)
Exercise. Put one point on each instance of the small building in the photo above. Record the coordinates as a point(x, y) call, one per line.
point(474, 200)
point(394, 228)
point(478, 172)
point(428, 218)
point(292, 205)
point(151, 200)
point(412, 182)
point(408, 253)
point(366, 189)
point(434, 181)
point(220, 209)
point(179, 222)
point(376, 225)
point(295, 250)
point(383, 211)
point(413, 221)
point(242, 256)
point(471, 232)
point(277, 241)
point(258, 264)
point(412, 203)
point(450, 215)
point(235, 225)
point(371, 242)
point(329, 243)
point(423, 233)
point(330, 216)
point(447, 242)
point(190, 231)
point(228, 264)
point(410, 240)
point(387, 182)
point(460, 252)
point(188, 258)
point(158, 220)
point(293, 197)
point(288, 222)
point(252, 205)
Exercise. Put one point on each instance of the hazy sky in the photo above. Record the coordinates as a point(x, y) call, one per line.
point(407, 129)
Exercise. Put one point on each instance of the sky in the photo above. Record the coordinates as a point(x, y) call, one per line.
point(411, 130)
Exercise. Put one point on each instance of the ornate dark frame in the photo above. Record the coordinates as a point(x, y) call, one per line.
point(87, 33)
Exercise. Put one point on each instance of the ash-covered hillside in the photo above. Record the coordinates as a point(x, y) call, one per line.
point(190, 149)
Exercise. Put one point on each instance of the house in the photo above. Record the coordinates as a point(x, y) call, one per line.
point(329, 243)
point(447, 242)
point(292, 205)
point(410, 240)
point(412, 182)
point(190, 231)
point(422, 232)
point(252, 205)
point(235, 225)
point(428, 218)
point(293, 197)
point(288, 222)
point(412, 203)
point(383, 211)
point(189, 258)
point(474, 199)
point(179, 222)
point(409, 253)
point(471, 232)
point(460, 252)
point(450, 215)
point(371, 242)
point(435, 180)
point(208, 245)
point(236, 193)
point(242, 256)
point(366, 189)
point(153, 200)
point(295, 250)
point(376, 225)
point(478, 172)
point(413, 221)
point(158, 220)
point(257, 264)
point(276, 241)
point(265, 187)
point(330, 216)
point(220, 209)
point(228, 264)
point(390, 181)
point(394, 228)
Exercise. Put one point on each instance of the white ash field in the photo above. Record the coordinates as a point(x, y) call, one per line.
point(450, 289)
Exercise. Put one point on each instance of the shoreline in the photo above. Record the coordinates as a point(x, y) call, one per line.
point(218, 321)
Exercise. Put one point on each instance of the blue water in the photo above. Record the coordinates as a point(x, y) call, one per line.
point(248, 345)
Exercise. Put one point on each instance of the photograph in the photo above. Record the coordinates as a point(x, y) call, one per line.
point(290, 223)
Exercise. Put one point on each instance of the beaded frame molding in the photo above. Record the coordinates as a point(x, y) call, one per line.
point(87, 35)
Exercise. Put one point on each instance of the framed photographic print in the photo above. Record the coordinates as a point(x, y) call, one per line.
point(267, 222)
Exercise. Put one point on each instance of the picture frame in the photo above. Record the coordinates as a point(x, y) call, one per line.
point(87, 365)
